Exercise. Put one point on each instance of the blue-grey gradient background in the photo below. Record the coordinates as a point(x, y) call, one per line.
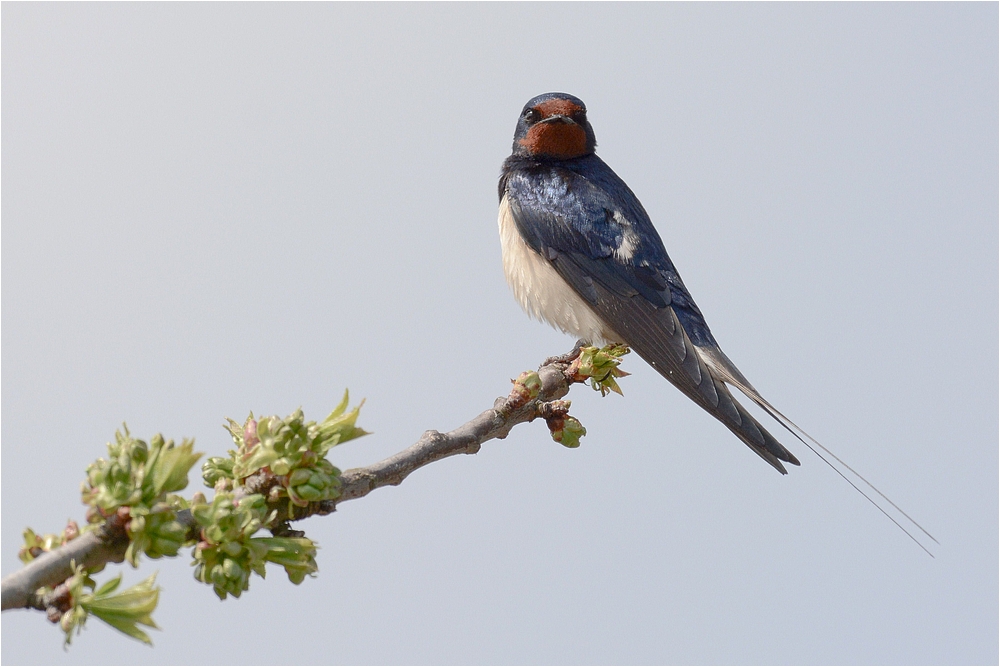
point(209, 209)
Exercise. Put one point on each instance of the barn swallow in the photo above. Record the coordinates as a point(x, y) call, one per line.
point(580, 252)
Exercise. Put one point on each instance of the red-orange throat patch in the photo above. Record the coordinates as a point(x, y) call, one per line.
point(560, 140)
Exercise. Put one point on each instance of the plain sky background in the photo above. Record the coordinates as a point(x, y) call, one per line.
point(216, 208)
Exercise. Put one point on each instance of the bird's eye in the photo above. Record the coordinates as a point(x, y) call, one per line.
point(580, 116)
point(532, 115)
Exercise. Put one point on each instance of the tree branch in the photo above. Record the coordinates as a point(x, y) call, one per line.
point(108, 544)
point(466, 439)
point(92, 550)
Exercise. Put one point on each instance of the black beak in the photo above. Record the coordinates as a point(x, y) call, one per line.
point(559, 118)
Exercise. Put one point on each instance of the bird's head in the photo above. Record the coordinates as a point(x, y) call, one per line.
point(554, 126)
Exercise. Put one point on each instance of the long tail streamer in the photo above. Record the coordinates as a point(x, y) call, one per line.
point(806, 439)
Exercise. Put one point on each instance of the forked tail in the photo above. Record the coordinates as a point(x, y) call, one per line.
point(717, 360)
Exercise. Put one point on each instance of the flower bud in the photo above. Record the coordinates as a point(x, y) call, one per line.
point(232, 569)
point(71, 532)
point(250, 438)
point(300, 476)
point(231, 548)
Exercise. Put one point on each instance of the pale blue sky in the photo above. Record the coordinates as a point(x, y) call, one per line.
point(216, 208)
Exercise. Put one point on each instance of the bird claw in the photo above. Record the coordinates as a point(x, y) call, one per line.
point(569, 357)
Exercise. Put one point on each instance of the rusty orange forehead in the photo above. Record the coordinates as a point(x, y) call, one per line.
point(558, 107)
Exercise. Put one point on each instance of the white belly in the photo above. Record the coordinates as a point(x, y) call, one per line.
point(542, 292)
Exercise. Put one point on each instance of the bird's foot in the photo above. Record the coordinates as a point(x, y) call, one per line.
point(569, 357)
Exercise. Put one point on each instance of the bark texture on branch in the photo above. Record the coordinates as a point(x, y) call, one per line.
point(92, 550)
point(466, 439)
point(107, 545)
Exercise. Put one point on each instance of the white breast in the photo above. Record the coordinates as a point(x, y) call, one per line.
point(542, 292)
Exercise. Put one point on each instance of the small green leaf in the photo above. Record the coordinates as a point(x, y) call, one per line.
point(123, 611)
point(129, 628)
point(108, 587)
point(339, 410)
point(171, 472)
point(599, 366)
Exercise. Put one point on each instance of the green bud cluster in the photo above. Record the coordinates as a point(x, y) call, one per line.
point(219, 469)
point(526, 387)
point(228, 553)
point(292, 449)
point(567, 431)
point(600, 367)
point(139, 476)
point(135, 488)
point(155, 532)
point(296, 554)
point(286, 444)
point(320, 481)
point(224, 557)
point(136, 474)
point(117, 481)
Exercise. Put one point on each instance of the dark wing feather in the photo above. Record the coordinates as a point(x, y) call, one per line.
point(658, 337)
point(576, 219)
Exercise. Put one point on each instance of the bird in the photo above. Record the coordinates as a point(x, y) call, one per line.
point(581, 253)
